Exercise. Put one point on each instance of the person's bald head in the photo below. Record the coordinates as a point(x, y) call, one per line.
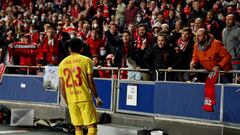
point(202, 31)
point(202, 35)
point(230, 20)
point(198, 23)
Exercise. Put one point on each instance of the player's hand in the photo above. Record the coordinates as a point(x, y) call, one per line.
point(99, 102)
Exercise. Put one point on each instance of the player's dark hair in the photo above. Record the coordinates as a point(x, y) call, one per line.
point(75, 44)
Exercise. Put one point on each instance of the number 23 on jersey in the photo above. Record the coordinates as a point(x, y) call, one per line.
point(73, 76)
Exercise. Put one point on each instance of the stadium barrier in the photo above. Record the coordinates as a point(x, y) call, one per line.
point(150, 98)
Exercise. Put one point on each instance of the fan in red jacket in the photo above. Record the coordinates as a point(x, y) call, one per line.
point(25, 50)
point(48, 51)
point(94, 42)
point(34, 33)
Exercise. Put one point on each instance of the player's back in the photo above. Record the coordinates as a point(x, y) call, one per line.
point(74, 70)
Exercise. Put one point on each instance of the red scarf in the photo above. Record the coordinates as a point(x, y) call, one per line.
point(2, 70)
point(139, 42)
point(182, 44)
point(209, 91)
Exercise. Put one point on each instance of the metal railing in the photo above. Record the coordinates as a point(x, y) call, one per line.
point(116, 88)
point(118, 70)
point(235, 72)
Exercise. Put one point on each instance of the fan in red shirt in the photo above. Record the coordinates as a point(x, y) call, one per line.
point(75, 10)
point(68, 26)
point(48, 51)
point(34, 33)
point(94, 42)
point(26, 2)
point(26, 51)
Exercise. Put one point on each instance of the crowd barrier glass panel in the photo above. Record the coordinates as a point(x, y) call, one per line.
point(26, 88)
point(231, 111)
point(104, 88)
point(184, 99)
point(145, 97)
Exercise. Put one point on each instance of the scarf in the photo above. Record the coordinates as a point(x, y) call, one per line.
point(204, 46)
point(138, 42)
point(209, 91)
point(182, 44)
point(2, 70)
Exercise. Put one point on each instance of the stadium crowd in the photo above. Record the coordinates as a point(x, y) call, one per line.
point(138, 34)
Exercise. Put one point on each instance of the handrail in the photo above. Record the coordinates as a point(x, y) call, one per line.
point(198, 70)
point(236, 72)
point(117, 88)
point(106, 68)
point(138, 70)
point(130, 69)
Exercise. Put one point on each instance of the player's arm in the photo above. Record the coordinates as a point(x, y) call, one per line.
point(93, 89)
point(62, 89)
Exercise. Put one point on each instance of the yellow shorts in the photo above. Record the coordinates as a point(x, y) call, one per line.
point(83, 113)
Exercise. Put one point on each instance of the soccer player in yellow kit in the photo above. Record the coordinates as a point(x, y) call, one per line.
point(77, 87)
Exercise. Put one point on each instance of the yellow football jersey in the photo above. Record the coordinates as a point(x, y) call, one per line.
point(74, 70)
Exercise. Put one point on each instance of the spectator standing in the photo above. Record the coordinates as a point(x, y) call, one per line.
point(84, 34)
point(102, 55)
point(197, 12)
point(99, 73)
point(130, 12)
point(144, 9)
point(123, 54)
point(25, 50)
point(131, 57)
point(184, 50)
point(120, 12)
point(48, 51)
point(143, 40)
point(159, 56)
point(231, 40)
point(94, 42)
point(153, 6)
point(132, 29)
point(113, 42)
point(172, 19)
point(211, 55)
point(140, 19)
point(176, 33)
point(212, 26)
point(107, 9)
